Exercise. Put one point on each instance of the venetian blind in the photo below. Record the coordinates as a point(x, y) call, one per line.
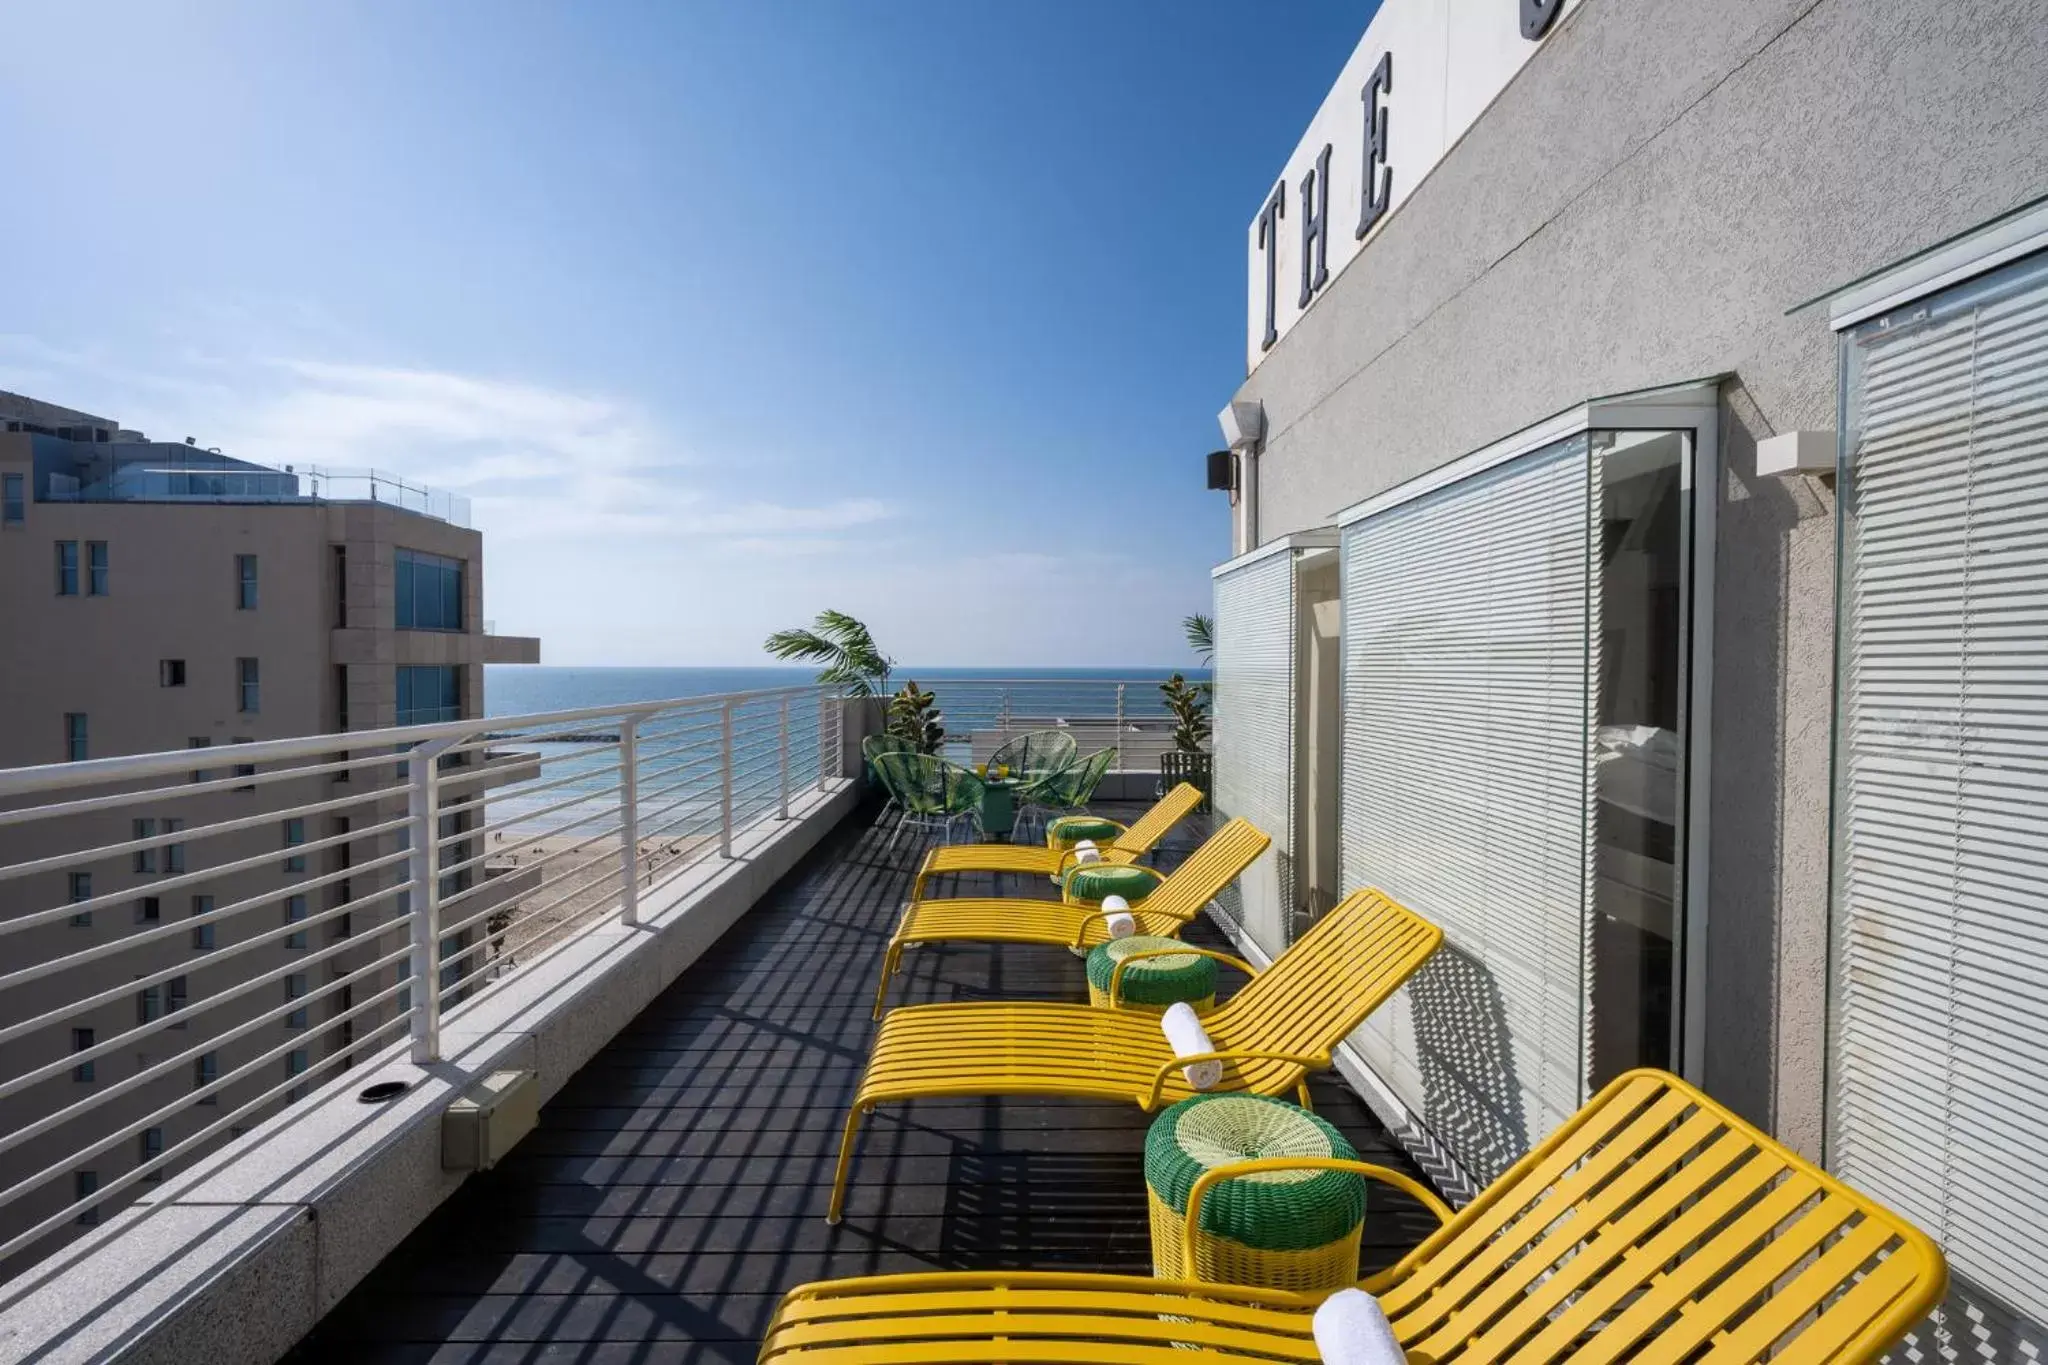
point(1254, 740)
point(1468, 667)
point(1939, 1037)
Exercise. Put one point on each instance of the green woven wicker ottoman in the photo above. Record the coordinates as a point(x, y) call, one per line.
point(1091, 883)
point(1069, 830)
point(1294, 1230)
point(1152, 982)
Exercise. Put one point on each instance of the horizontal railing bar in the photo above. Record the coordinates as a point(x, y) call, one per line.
point(94, 771)
point(545, 882)
point(468, 777)
point(114, 994)
point(120, 1183)
point(192, 834)
point(492, 826)
point(117, 800)
point(212, 1043)
point(543, 860)
point(597, 884)
point(198, 878)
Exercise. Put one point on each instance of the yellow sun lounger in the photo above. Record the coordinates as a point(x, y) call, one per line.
point(1654, 1227)
point(1132, 843)
point(1177, 898)
point(1269, 1036)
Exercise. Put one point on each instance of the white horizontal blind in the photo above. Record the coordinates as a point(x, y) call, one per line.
point(1938, 1091)
point(1255, 735)
point(1467, 682)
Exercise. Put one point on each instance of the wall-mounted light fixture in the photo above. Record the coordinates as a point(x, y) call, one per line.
point(1796, 452)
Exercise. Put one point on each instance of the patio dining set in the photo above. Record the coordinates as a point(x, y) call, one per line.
point(1031, 780)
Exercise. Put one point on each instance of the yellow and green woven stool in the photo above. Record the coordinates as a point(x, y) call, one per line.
point(1293, 1230)
point(1151, 982)
point(1088, 884)
point(1069, 830)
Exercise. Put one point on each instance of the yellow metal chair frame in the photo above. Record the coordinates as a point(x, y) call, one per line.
point(1132, 843)
point(1654, 1227)
point(1178, 898)
point(1269, 1036)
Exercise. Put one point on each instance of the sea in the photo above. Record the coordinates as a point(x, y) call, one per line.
point(973, 701)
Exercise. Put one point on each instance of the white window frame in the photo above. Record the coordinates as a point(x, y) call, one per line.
point(1693, 406)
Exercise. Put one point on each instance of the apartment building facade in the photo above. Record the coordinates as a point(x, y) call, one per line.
point(169, 597)
point(1639, 490)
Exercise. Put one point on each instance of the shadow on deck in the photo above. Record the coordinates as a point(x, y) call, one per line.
point(678, 1185)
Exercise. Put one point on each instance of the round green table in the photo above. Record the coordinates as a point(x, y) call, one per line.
point(998, 811)
point(1151, 982)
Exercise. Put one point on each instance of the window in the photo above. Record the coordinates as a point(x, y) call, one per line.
point(175, 997)
point(245, 582)
point(248, 691)
point(294, 911)
point(294, 835)
point(81, 890)
point(148, 1147)
point(67, 568)
point(341, 587)
point(145, 858)
point(244, 769)
point(428, 694)
point(12, 500)
point(429, 591)
point(170, 673)
point(174, 854)
point(149, 1005)
point(205, 1071)
point(294, 988)
point(84, 1184)
point(202, 934)
point(149, 910)
point(74, 736)
point(96, 568)
point(81, 1039)
point(200, 742)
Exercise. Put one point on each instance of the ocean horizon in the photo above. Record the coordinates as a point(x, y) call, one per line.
point(526, 689)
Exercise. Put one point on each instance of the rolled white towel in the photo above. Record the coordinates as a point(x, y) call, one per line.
point(1121, 923)
point(1186, 1036)
point(1352, 1329)
point(1085, 852)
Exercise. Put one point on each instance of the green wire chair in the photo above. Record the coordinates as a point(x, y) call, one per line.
point(1035, 752)
point(935, 794)
point(873, 747)
point(1064, 791)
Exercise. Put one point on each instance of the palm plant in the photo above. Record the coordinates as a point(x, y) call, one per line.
point(851, 660)
point(914, 717)
point(1189, 703)
point(1201, 633)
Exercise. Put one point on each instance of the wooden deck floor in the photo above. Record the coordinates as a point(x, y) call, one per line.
point(678, 1185)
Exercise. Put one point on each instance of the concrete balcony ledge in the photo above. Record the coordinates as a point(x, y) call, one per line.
point(511, 649)
point(236, 1259)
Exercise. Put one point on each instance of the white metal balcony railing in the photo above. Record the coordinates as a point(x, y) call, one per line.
point(1128, 715)
point(440, 855)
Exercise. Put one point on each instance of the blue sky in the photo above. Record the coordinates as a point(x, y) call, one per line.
point(719, 313)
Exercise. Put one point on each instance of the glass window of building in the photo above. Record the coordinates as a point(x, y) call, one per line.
point(170, 673)
point(149, 1146)
point(294, 911)
point(13, 500)
point(248, 686)
point(200, 742)
point(145, 858)
point(74, 736)
point(427, 694)
point(244, 769)
point(202, 934)
point(149, 910)
point(294, 835)
point(205, 1071)
point(176, 995)
point(429, 591)
point(81, 890)
point(96, 568)
point(174, 854)
point(245, 582)
point(149, 1005)
point(294, 988)
point(81, 1039)
point(84, 1184)
point(67, 568)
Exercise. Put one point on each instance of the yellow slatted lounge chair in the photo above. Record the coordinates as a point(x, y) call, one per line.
point(1177, 898)
point(1269, 1036)
point(1131, 844)
point(1654, 1227)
